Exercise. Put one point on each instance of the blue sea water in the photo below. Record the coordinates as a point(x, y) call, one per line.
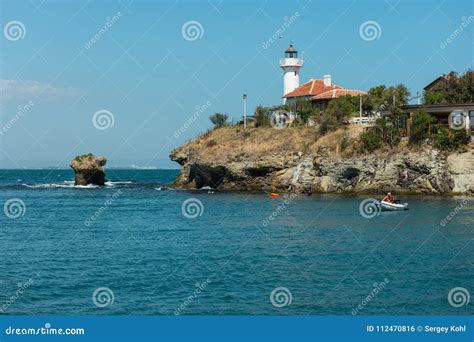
point(133, 247)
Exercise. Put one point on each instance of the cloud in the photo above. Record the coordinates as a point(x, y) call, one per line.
point(14, 90)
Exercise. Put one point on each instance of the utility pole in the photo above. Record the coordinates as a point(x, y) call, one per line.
point(244, 98)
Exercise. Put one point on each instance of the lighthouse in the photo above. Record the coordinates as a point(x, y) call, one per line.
point(291, 65)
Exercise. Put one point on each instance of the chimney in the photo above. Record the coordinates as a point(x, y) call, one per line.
point(327, 80)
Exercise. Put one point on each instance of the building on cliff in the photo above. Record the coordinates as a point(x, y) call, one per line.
point(452, 115)
point(319, 92)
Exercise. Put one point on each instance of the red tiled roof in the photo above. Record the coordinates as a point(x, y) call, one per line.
point(335, 93)
point(311, 88)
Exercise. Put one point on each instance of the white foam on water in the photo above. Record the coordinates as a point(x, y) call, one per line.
point(55, 185)
point(111, 183)
point(70, 184)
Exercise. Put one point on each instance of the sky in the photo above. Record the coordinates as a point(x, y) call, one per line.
point(132, 80)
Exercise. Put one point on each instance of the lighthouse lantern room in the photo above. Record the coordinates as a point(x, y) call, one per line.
point(291, 65)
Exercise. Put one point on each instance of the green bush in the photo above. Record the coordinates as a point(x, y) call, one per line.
point(218, 119)
point(345, 138)
point(388, 130)
point(371, 140)
point(328, 123)
point(343, 107)
point(422, 122)
point(262, 116)
point(446, 139)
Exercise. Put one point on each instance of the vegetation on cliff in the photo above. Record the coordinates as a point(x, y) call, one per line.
point(454, 88)
point(385, 133)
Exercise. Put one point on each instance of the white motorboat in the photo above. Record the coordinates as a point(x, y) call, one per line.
point(387, 206)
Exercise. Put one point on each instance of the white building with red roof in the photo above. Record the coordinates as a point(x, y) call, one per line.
point(320, 92)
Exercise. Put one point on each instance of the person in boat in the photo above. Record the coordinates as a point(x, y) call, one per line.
point(389, 198)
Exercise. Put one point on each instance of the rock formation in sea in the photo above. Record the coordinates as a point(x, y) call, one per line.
point(230, 161)
point(89, 169)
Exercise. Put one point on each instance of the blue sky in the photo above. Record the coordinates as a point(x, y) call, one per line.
point(150, 78)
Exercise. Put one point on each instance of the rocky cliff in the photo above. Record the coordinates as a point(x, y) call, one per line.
point(229, 160)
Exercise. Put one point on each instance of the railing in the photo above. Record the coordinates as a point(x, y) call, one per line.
point(291, 62)
point(362, 120)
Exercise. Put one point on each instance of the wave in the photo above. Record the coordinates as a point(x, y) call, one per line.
point(55, 185)
point(111, 183)
point(167, 188)
point(70, 184)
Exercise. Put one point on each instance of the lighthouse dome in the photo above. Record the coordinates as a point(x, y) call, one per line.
point(291, 52)
point(291, 49)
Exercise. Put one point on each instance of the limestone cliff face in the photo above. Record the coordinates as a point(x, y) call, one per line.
point(461, 167)
point(426, 171)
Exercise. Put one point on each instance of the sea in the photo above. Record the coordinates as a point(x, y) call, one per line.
point(137, 247)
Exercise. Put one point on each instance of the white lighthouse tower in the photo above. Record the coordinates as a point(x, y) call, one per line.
point(291, 65)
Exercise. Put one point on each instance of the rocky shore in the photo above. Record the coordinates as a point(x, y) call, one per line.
point(321, 169)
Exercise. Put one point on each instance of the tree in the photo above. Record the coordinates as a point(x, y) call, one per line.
point(303, 109)
point(434, 97)
point(343, 107)
point(385, 131)
point(262, 116)
point(388, 128)
point(454, 88)
point(328, 123)
point(218, 119)
point(422, 123)
point(337, 111)
point(381, 98)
